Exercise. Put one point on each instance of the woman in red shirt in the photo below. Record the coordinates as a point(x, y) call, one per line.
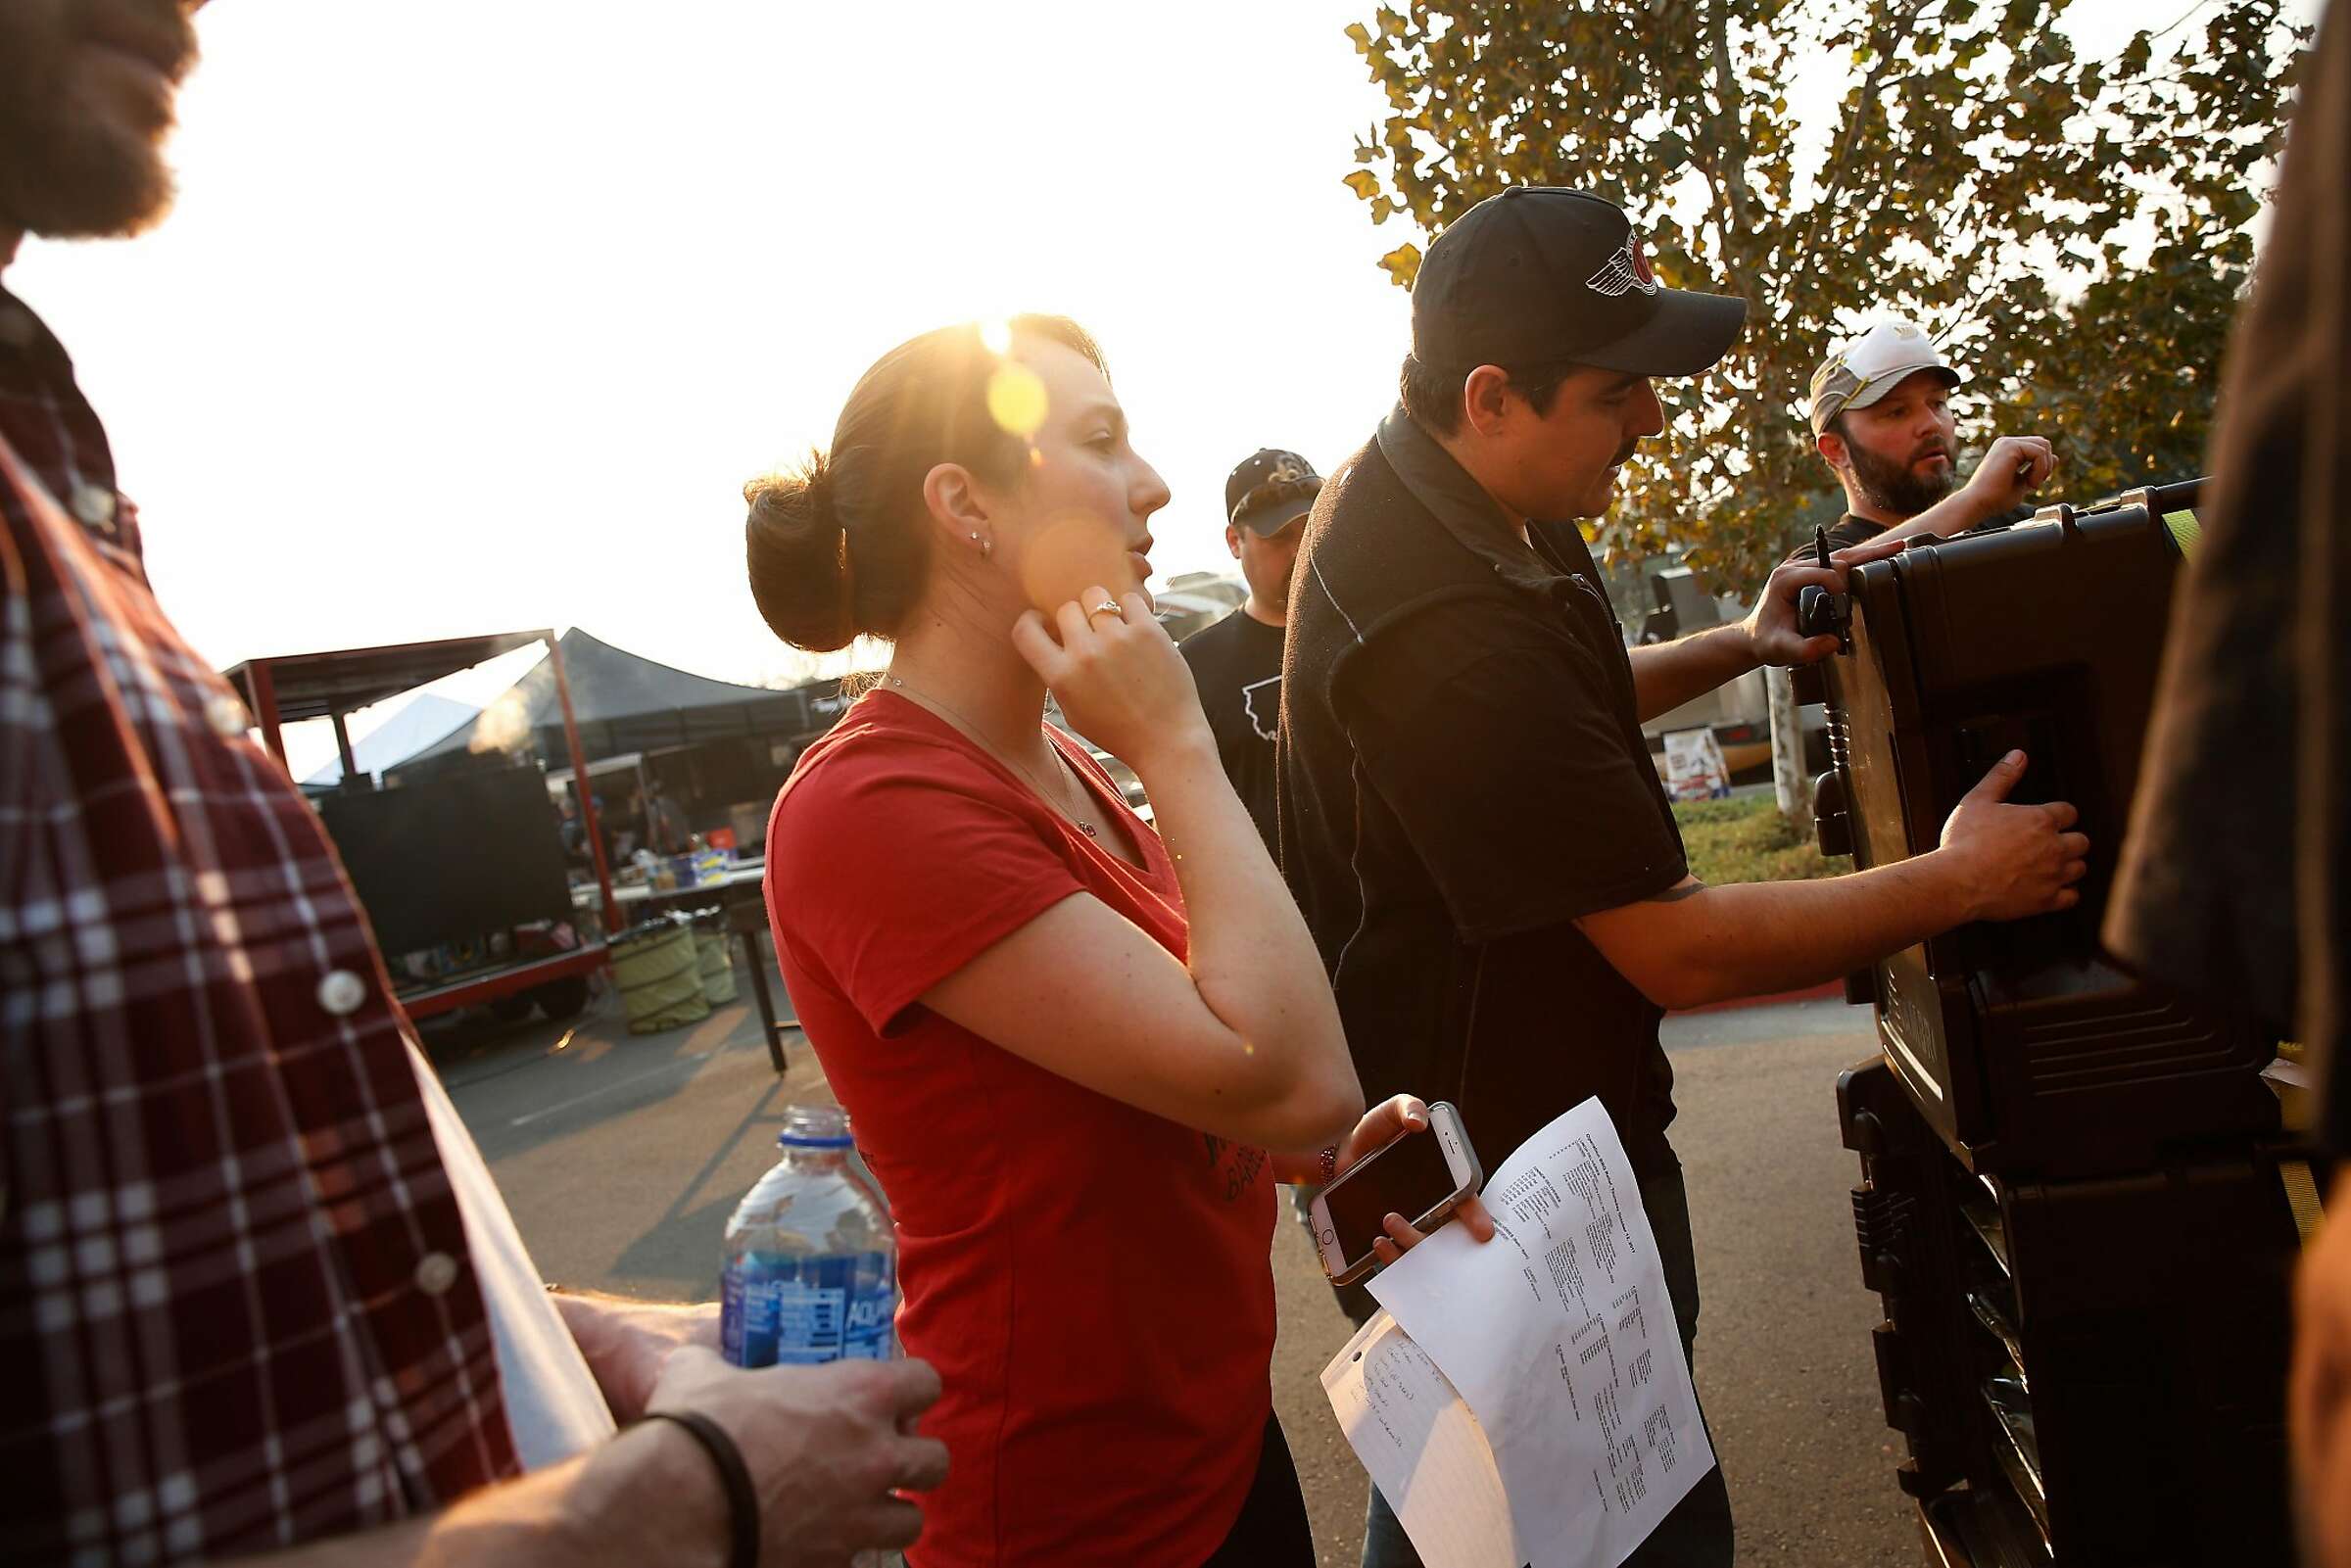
point(1067, 1041)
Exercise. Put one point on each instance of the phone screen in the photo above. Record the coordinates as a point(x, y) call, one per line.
point(1407, 1178)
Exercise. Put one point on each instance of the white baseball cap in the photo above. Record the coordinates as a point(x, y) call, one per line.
point(1864, 368)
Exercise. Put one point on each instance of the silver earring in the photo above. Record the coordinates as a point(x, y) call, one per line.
point(986, 546)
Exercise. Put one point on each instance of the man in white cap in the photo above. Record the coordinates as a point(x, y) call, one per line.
point(1881, 411)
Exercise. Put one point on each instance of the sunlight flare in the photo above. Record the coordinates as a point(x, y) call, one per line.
point(1016, 400)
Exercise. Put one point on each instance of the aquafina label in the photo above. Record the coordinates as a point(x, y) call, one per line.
point(811, 1264)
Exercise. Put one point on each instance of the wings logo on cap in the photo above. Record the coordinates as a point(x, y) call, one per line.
point(1626, 269)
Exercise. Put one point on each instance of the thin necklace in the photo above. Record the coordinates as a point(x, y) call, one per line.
point(971, 733)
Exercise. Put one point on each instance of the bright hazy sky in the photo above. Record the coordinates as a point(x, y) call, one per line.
point(477, 313)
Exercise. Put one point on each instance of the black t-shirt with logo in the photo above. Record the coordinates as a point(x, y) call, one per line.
point(1237, 665)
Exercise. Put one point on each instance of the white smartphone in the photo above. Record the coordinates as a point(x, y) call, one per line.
point(1420, 1175)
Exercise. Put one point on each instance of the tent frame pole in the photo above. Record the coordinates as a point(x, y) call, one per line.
point(582, 787)
point(351, 769)
point(262, 689)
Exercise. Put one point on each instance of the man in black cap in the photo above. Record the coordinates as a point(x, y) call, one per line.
point(1470, 816)
point(1237, 662)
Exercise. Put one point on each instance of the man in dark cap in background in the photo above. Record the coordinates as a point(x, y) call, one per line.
point(1237, 662)
point(1469, 815)
point(1237, 665)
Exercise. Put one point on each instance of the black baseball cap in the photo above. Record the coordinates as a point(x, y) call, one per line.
point(1270, 489)
point(1540, 276)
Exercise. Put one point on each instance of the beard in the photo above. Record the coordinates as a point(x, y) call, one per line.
point(1896, 487)
point(73, 168)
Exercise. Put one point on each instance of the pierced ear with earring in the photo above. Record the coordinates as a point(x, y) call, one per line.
point(986, 546)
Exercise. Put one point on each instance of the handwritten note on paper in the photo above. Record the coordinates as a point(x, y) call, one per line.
point(1561, 1340)
point(1422, 1447)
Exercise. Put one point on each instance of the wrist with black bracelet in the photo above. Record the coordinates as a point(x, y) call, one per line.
point(734, 1477)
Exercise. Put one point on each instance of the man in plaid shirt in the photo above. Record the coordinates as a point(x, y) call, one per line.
point(256, 1289)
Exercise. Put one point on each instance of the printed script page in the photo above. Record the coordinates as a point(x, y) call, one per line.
point(1559, 1336)
point(1422, 1448)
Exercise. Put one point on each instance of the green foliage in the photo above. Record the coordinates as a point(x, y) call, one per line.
point(1748, 841)
point(2074, 230)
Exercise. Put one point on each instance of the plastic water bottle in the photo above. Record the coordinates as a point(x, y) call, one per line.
point(811, 1264)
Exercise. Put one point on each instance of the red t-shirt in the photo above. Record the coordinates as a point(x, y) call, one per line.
point(1091, 1280)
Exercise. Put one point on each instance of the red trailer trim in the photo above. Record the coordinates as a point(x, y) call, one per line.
point(473, 989)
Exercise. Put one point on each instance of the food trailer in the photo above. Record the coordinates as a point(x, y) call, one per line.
point(466, 869)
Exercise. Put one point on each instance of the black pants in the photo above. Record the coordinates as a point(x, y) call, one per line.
point(1271, 1529)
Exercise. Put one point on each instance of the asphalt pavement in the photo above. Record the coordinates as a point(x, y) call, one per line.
point(621, 1158)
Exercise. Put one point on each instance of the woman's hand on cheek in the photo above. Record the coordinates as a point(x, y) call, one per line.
point(1118, 679)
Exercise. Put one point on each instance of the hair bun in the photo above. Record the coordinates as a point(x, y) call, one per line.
point(824, 511)
point(796, 549)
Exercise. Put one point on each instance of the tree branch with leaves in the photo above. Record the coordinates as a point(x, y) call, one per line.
point(2077, 230)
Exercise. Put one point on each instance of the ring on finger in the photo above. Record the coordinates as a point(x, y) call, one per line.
point(1109, 606)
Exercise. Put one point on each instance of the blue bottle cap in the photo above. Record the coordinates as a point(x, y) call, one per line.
point(802, 1140)
point(815, 1126)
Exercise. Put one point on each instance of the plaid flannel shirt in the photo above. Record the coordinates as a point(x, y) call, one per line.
point(236, 1307)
